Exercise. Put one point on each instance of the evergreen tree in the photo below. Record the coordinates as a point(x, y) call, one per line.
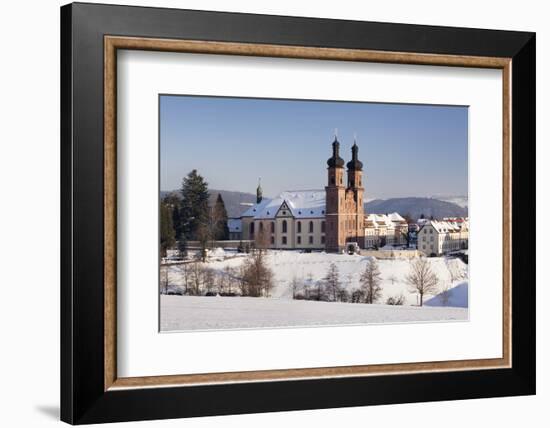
point(167, 233)
point(219, 220)
point(194, 211)
point(175, 203)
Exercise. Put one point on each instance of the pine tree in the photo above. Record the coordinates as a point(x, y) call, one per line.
point(194, 212)
point(167, 233)
point(370, 281)
point(175, 203)
point(219, 220)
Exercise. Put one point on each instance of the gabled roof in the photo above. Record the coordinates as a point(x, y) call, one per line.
point(301, 203)
point(384, 220)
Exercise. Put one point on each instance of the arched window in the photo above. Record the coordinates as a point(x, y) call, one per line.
point(261, 227)
point(284, 227)
point(323, 226)
point(252, 228)
point(272, 227)
point(299, 226)
point(310, 227)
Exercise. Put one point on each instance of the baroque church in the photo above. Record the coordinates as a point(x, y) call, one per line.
point(329, 219)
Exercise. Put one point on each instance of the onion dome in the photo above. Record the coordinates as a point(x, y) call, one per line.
point(335, 161)
point(354, 164)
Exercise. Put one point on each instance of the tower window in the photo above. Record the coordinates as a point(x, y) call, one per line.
point(284, 227)
point(332, 180)
point(299, 226)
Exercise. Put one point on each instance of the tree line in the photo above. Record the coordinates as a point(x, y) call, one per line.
point(253, 278)
point(190, 217)
point(421, 280)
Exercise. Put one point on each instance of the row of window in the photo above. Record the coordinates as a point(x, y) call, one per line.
point(284, 240)
point(285, 227)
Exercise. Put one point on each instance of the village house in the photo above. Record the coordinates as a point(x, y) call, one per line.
point(385, 230)
point(442, 237)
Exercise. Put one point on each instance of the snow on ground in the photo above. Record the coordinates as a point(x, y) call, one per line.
point(457, 297)
point(289, 264)
point(280, 310)
point(216, 313)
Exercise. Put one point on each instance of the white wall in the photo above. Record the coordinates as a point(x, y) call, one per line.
point(29, 230)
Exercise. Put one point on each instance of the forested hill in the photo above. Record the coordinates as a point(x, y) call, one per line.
point(416, 207)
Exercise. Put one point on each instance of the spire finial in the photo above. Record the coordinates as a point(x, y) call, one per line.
point(259, 193)
point(335, 133)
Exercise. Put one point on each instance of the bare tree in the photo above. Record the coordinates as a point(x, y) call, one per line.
point(183, 271)
point(203, 236)
point(307, 286)
point(209, 279)
point(421, 278)
point(295, 286)
point(395, 300)
point(262, 239)
point(196, 274)
point(332, 282)
point(164, 281)
point(370, 281)
point(258, 276)
point(231, 279)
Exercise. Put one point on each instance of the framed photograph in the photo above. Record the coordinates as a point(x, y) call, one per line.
point(266, 213)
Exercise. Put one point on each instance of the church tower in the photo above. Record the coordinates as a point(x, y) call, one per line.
point(335, 195)
point(355, 190)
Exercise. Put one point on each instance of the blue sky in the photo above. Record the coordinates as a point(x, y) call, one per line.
point(406, 150)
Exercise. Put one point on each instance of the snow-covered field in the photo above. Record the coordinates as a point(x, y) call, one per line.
point(217, 313)
point(191, 313)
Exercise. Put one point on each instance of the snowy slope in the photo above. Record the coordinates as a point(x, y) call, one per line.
point(289, 264)
point(215, 313)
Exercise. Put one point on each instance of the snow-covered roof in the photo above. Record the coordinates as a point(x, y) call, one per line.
point(449, 226)
point(234, 225)
point(384, 220)
point(301, 204)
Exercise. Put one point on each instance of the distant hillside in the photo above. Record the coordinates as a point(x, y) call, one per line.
point(415, 207)
point(461, 201)
point(232, 200)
